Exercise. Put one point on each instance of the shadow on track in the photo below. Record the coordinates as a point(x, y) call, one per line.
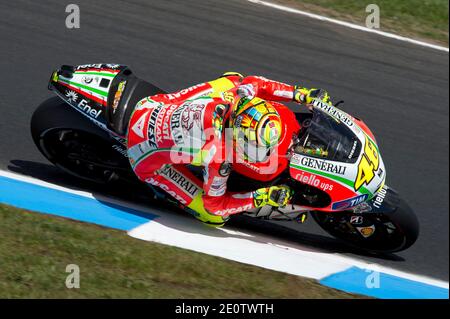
point(267, 232)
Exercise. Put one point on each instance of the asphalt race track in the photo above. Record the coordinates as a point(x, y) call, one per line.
point(399, 89)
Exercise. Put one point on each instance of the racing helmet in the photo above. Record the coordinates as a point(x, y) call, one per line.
point(257, 129)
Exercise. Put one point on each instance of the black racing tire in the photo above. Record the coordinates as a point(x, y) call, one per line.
point(385, 239)
point(97, 161)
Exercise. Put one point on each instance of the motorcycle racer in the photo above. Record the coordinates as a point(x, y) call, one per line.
point(231, 123)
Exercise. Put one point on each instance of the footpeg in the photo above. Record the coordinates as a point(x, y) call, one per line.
point(301, 219)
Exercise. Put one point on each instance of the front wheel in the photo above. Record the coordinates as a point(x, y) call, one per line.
point(386, 224)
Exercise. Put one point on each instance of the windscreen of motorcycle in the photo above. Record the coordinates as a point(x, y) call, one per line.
point(326, 138)
point(337, 157)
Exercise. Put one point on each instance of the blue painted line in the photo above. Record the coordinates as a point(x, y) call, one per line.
point(354, 280)
point(55, 202)
point(51, 201)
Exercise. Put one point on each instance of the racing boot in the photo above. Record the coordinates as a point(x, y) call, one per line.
point(197, 209)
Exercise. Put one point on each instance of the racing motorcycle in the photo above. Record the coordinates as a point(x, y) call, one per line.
point(335, 169)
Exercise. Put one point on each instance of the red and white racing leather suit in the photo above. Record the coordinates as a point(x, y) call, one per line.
point(168, 132)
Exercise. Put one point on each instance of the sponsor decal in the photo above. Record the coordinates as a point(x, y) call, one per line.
point(352, 152)
point(295, 159)
point(88, 110)
point(151, 139)
point(89, 66)
point(368, 165)
point(349, 203)
point(120, 150)
point(366, 231)
point(84, 92)
point(218, 182)
point(333, 111)
point(379, 199)
point(87, 79)
point(249, 165)
point(175, 125)
point(218, 186)
point(284, 94)
point(232, 211)
point(162, 124)
point(362, 208)
point(323, 165)
point(147, 103)
point(314, 181)
point(356, 220)
point(112, 66)
point(179, 179)
point(118, 95)
point(97, 66)
point(72, 96)
point(271, 81)
point(184, 119)
point(192, 115)
point(217, 192)
point(178, 95)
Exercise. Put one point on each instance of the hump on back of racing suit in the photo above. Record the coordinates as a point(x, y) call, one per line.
point(170, 131)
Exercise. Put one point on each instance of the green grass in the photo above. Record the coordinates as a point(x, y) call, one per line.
point(423, 19)
point(35, 250)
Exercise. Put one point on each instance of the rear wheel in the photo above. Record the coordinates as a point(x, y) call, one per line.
point(83, 155)
point(76, 145)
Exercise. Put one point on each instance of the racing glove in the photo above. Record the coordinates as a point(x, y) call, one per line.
point(306, 96)
point(277, 196)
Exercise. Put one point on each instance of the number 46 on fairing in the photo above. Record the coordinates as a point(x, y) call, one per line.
point(369, 164)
